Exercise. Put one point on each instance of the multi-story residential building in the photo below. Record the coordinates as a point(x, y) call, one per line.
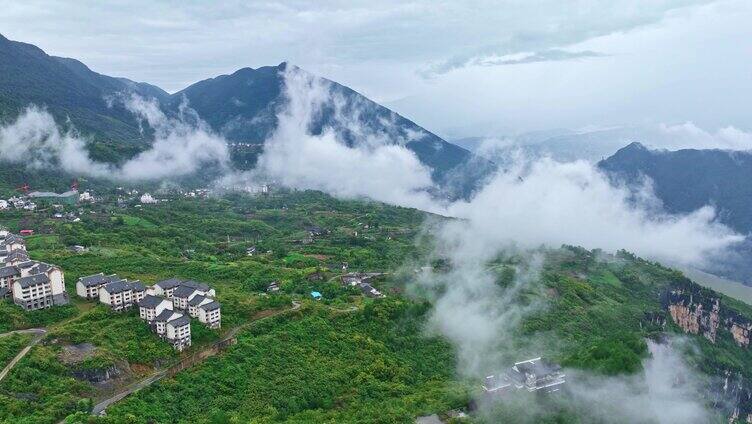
point(209, 314)
point(13, 242)
point(151, 306)
point(186, 291)
point(194, 303)
point(88, 287)
point(41, 290)
point(175, 327)
point(121, 294)
point(8, 275)
point(16, 257)
point(139, 291)
point(182, 295)
point(165, 288)
point(178, 332)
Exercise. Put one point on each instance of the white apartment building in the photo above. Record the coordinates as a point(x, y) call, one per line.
point(40, 290)
point(151, 306)
point(175, 327)
point(13, 242)
point(121, 294)
point(178, 332)
point(165, 288)
point(88, 287)
point(209, 314)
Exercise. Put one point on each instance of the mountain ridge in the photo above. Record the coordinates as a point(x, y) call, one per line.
point(241, 106)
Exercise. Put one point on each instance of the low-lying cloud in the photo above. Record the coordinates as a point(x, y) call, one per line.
point(378, 166)
point(182, 145)
point(690, 136)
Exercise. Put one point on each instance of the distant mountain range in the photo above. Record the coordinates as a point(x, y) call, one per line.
point(688, 179)
point(685, 180)
point(241, 106)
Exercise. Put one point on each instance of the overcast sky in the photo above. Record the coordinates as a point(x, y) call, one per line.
point(459, 68)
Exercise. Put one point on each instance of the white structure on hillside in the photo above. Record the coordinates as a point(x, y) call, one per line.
point(32, 284)
point(147, 198)
point(151, 306)
point(210, 315)
point(88, 287)
point(122, 294)
point(186, 291)
point(86, 197)
point(39, 286)
point(166, 287)
point(174, 327)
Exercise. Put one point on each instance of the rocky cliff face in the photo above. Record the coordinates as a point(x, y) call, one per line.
point(696, 313)
point(701, 312)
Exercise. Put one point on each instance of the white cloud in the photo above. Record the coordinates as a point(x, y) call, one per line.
point(181, 146)
point(690, 136)
point(378, 166)
point(555, 203)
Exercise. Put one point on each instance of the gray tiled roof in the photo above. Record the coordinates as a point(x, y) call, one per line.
point(137, 286)
point(197, 299)
point(169, 283)
point(180, 321)
point(96, 279)
point(183, 292)
point(12, 238)
point(33, 280)
point(150, 301)
point(17, 255)
point(116, 286)
point(196, 285)
point(27, 264)
point(9, 271)
point(164, 315)
point(210, 306)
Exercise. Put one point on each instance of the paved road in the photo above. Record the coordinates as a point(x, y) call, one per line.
point(38, 336)
point(99, 409)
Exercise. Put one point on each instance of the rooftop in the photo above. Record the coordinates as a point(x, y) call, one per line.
point(33, 280)
point(9, 271)
point(151, 302)
point(210, 306)
point(183, 292)
point(197, 299)
point(179, 321)
point(116, 286)
point(169, 283)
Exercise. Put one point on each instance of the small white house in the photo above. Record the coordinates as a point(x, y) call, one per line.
point(86, 197)
point(4, 204)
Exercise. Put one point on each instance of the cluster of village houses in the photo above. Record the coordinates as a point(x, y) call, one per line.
point(167, 306)
point(31, 284)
